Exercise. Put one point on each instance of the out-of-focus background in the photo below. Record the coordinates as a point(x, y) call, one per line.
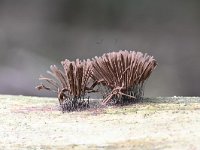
point(37, 33)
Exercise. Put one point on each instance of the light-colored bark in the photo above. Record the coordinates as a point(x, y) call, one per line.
point(154, 123)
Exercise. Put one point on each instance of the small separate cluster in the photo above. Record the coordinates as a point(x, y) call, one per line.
point(70, 85)
point(123, 73)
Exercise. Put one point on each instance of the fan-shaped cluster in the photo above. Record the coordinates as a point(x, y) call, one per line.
point(123, 73)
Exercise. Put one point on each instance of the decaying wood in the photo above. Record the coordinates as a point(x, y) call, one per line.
point(124, 73)
point(157, 123)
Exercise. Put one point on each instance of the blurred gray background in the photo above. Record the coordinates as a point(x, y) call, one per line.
point(37, 33)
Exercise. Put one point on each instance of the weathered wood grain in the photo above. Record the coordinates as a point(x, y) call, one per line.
point(154, 123)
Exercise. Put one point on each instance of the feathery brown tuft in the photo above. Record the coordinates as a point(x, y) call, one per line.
point(123, 73)
point(70, 85)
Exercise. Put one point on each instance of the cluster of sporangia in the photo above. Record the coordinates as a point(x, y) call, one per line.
point(123, 73)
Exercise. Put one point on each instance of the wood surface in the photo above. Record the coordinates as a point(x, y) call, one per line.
point(154, 123)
